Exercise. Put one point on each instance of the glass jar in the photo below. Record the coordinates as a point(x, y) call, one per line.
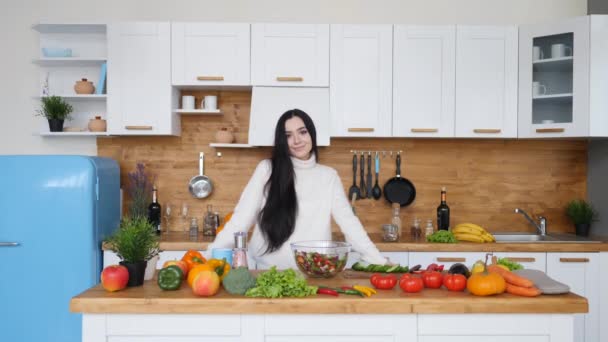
point(211, 222)
point(193, 232)
point(390, 232)
point(415, 230)
point(429, 230)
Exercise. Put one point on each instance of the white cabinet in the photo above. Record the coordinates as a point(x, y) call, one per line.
point(139, 89)
point(424, 71)
point(361, 80)
point(290, 55)
point(562, 77)
point(269, 103)
point(68, 53)
point(445, 258)
point(581, 272)
point(210, 54)
point(486, 81)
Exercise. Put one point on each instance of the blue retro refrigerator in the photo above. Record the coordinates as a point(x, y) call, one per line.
point(55, 211)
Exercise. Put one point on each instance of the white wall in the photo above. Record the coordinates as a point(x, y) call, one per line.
point(19, 43)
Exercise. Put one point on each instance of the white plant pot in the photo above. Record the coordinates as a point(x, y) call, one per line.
point(151, 268)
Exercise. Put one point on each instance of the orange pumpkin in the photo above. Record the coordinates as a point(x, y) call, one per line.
point(485, 283)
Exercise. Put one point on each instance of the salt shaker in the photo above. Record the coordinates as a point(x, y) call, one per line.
point(429, 228)
point(239, 253)
point(193, 228)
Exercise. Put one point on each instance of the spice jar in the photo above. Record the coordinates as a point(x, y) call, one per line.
point(429, 228)
point(415, 230)
point(239, 253)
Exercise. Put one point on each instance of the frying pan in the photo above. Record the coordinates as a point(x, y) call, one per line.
point(398, 189)
point(200, 186)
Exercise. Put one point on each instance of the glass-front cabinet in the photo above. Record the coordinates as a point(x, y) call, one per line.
point(559, 87)
point(554, 79)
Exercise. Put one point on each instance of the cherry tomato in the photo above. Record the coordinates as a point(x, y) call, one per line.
point(411, 284)
point(455, 282)
point(383, 282)
point(432, 280)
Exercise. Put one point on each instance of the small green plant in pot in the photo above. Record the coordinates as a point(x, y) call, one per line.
point(582, 215)
point(55, 109)
point(135, 242)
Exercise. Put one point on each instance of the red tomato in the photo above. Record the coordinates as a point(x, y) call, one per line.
point(383, 282)
point(410, 284)
point(432, 280)
point(455, 282)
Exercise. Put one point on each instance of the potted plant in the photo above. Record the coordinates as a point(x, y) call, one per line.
point(55, 109)
point(135, 242)
point(582, 214)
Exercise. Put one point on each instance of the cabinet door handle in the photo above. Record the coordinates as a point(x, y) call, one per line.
point(424, 130)
point(139, 128)
point(522, 259)
point(290, 79)
point(360, 129)
point(486, 130)
point(550, 130)
point(573, 259)
point(9, 244)
point(210, 78)
point(441, 259)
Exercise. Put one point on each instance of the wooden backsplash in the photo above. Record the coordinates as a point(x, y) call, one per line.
point(486, 179)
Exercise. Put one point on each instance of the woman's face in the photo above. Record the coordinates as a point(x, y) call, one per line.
point(298, 138)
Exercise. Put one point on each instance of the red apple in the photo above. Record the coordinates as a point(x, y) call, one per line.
point(114, 278)
point(206, 283)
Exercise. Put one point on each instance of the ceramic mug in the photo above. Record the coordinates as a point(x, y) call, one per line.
point(560, 50)
point(537, 53)
point(221, 253)
point(209, 102)
point(187, 102)
point(538, 89)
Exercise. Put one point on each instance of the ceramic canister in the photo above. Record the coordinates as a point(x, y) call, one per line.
point(97, 124)
point(84, 87)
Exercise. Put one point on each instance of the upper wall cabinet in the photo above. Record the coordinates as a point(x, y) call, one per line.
point(361, 80)
point(562, 78)
point(423, 81)
point(290, 55)
point(139, 89)
point(486, 81)
point(210, 54)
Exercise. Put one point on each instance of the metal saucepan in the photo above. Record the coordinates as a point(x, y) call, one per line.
point(200, 186)
point(398, 189)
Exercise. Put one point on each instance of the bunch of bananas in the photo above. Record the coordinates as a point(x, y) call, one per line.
point(472, 233)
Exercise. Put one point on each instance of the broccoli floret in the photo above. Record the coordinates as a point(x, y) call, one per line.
point(238, 281)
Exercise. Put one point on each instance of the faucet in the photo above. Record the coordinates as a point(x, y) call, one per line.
point(541, 227)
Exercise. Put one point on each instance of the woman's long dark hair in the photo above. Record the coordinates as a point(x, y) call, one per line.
point(277, 219)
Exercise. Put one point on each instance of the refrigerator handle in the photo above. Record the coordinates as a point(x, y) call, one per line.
point(9, 244)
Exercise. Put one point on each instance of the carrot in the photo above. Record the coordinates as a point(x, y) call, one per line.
point(522, 291)
point(510, 277)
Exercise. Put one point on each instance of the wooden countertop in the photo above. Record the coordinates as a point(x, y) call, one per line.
point(149, 298)
point(178, 241)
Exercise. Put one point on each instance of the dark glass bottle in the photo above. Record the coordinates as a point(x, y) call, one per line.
point(154, 211)
point(443, 212)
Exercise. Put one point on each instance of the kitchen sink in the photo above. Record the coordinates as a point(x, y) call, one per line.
point(535, 238)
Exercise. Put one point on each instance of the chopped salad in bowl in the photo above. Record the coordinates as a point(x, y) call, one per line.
point(321, 259)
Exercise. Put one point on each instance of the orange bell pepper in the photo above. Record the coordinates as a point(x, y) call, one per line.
point(193, 258)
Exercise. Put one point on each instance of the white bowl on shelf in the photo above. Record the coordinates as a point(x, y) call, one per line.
point(56, 52)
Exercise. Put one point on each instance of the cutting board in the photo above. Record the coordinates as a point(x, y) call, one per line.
point(543, 282)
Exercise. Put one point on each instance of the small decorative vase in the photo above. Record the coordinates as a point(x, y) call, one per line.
point(224, 136)
point(582, 229)
point(151, 267)
point(55, 125)
point(84, 87)
point(137, 270)
point(97, 124)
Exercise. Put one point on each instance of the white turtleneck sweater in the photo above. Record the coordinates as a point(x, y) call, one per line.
point(320, 196)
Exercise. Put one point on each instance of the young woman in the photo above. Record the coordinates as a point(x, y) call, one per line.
point(290, 198)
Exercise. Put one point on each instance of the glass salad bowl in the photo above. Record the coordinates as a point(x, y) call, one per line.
point(320, 259)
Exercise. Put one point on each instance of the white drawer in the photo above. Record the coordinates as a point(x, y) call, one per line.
point(445, 258)
point(535, 261)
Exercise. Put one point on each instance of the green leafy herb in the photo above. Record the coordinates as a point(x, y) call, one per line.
point(512, 265)
point(275, 284)
point(442, 236)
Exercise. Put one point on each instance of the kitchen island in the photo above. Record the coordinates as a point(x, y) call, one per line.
point(148, 313)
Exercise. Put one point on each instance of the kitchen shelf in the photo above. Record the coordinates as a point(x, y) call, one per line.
point(73, 134)
point(198, 112)
point(69, 61)
point(73, 28)
point(553, 64)
point(80, 97)
point(218, 145)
